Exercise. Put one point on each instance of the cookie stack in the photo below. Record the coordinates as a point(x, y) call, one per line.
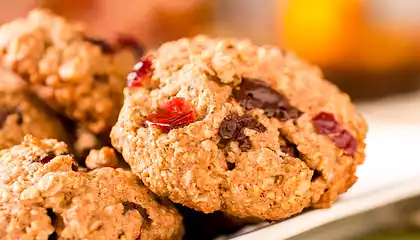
point(216, 125)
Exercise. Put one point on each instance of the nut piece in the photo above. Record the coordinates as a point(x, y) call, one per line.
point(104, 157)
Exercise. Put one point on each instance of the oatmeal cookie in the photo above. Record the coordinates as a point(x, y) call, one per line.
point(75, 74)
point(44, 196)
point(223, 124)
point(22, 113)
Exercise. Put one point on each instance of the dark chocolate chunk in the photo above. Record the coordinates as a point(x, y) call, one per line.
point(253, 93)
point(232, 128)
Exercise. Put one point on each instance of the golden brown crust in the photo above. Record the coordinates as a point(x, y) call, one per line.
point(23, 113)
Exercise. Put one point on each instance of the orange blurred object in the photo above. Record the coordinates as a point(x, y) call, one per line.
point(364, 45)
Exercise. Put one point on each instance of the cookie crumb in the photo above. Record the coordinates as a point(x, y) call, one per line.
point(104, 157)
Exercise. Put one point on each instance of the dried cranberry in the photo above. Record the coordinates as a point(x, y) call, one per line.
point(142, 71)
point(253, 93)
point(104, 46)
point(345, 141)
point(52, 215)
point(46, 159)
point(325, 123)
point(232, 129)
point(173, 114)
point(125, 41)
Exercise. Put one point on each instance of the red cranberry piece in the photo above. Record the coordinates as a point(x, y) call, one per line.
point(326, 124)
point(345, 141)
point(142, 71)
point(46, 159)
point(177, 105)
point(173, 114)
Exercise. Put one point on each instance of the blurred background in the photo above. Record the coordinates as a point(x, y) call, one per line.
point(370, 48)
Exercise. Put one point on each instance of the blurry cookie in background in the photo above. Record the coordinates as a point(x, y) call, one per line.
point(76, 74)
point(23, 113)
point(151, 22)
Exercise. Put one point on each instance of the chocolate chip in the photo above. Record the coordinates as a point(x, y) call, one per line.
point(47, 159)
point(50, 156)
point(232, 128)
point(229, 129)
point(317, 174)
point(53, 236)
point(54, 221)
point(231, 166)
point(290, 149)
point(131, 43)
point(134, 206)
point(253, 93)
point(52, 215)
point(105, 47)
point(74, 167)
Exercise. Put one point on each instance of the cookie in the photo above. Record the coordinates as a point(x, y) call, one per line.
point(77, 75)
point(44, 196)
point(22, 113)
point(253, 131)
